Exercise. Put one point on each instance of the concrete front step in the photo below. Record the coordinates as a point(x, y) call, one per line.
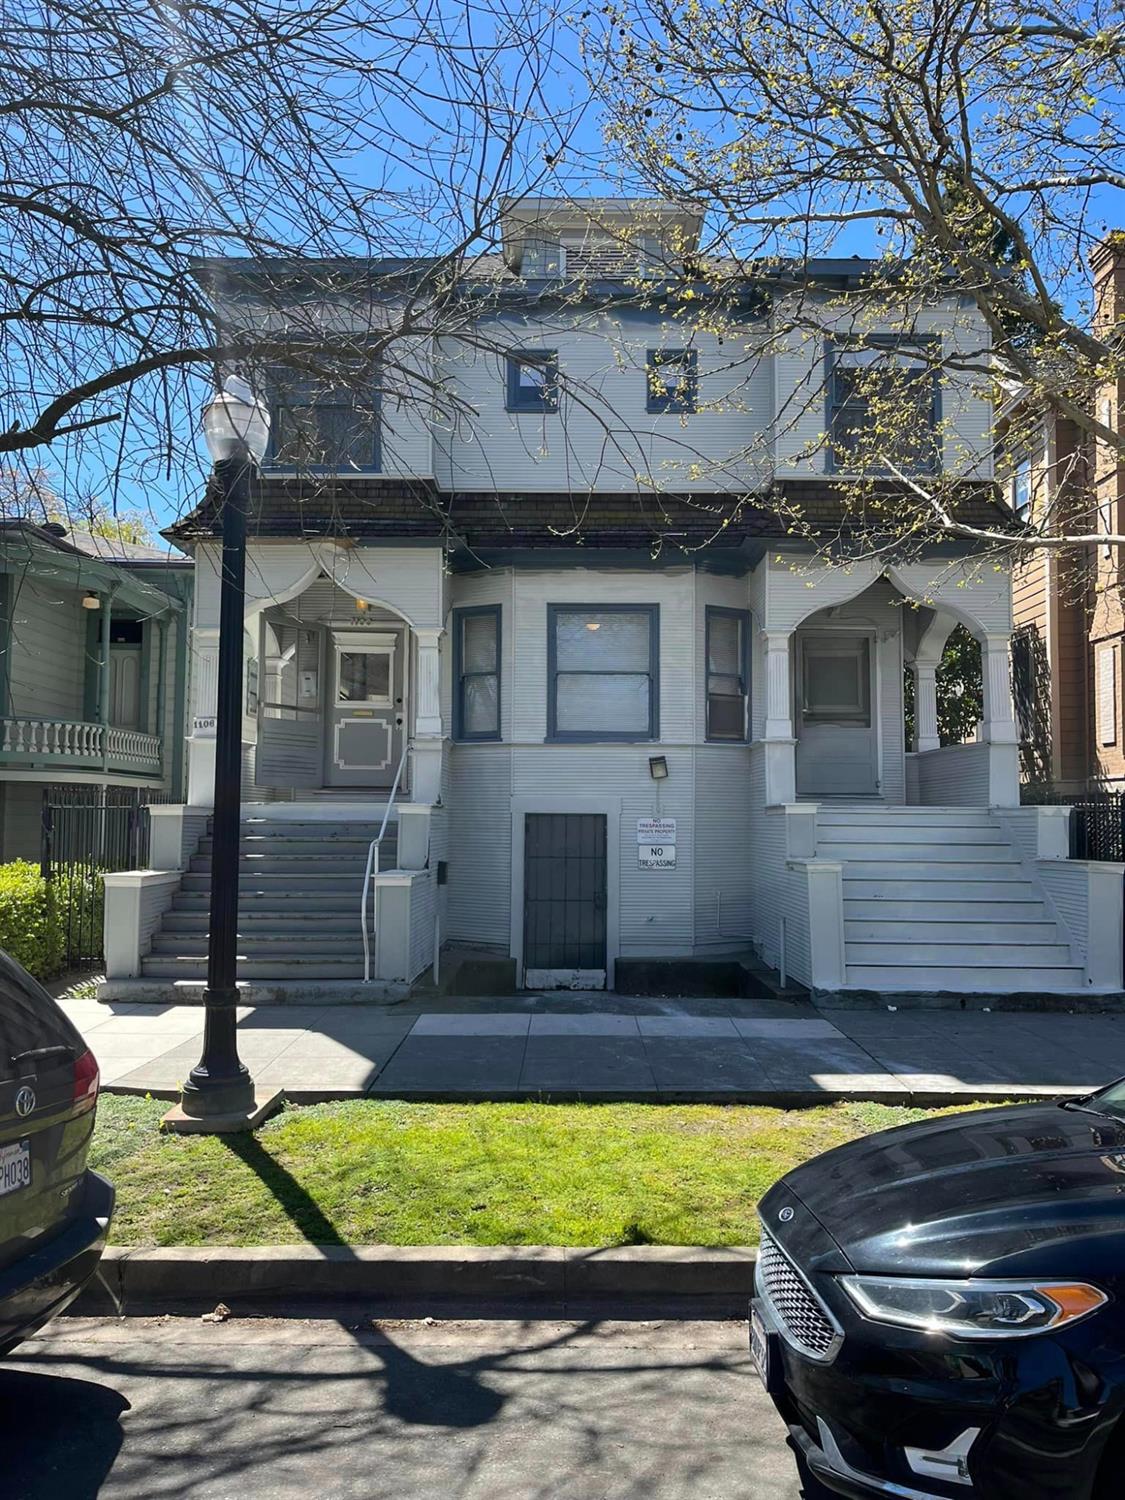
point(893, 832)
point(164, 966)
point(934, 869)
point(293, 881)
point(955, 933)
point(985, 979)
point(277, 864)
point(266, 945)
point(280, 828)
point(256, 922)
point(1049, 955)
point(287, 904)
point(294, 847)
point(985, 854)
point(991, 905)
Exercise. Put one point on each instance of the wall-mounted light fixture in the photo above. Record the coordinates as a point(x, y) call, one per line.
point(658, 767)
point(91, 601)
point(361, 604)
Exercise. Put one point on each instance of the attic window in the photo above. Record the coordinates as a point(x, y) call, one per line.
point(652, 258)
point(542, 260)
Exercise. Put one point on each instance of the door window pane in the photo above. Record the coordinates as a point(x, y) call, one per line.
point(837, 681)
point(365, 677)
point(588, 703)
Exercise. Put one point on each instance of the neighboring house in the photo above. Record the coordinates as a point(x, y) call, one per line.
point(1069, 633)
point(606, 719)
point(93, 669)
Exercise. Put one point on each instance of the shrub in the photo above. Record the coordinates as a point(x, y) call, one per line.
point(30, 929)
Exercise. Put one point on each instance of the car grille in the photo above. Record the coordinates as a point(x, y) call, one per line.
point(804, 1321)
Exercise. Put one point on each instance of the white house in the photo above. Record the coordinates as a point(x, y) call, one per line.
point(546, 625)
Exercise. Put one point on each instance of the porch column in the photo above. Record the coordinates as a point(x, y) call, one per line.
point(999, 727)
point(428, 730)
point(925, 705)
point(780, 746)
point(161, 688)
point(204, 704)
point(103, 673)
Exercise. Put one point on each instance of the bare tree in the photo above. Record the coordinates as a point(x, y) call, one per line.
point(973, 151)
point(141, 139)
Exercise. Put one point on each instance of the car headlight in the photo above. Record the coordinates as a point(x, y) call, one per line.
point(973, 1309)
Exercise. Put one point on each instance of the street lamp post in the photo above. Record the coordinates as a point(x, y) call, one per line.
point(219, 1093)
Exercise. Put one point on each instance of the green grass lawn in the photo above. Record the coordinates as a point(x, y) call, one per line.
point(378, 1172)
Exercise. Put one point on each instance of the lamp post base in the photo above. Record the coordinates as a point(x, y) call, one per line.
point(215, 1120)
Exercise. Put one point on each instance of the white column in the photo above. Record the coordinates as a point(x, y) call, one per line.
point(779, 696)
point(925, 705)
point(428, 729)
point(204, 703)
point(999, 717)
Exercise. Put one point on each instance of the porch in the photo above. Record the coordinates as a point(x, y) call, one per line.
point(41, 747)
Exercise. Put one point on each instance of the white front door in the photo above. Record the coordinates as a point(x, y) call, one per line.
point(367, 707)
point(837, 754)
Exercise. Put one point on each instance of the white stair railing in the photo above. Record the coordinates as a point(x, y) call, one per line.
point(372, 854)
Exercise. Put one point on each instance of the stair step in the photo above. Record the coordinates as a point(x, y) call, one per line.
point(338, 845)
point(968, 955)
point(930, 853)
point(971, 931)
point(934, 869)
point(163, 966)
point(295, 882)
point(255, 923)
point(988, 907)
point(895, 887)
point(277, 864)
point(287, 904)
point(887, 978)
point(315, 829)
point(907, 833)
point(315, 945)
point(881, 813)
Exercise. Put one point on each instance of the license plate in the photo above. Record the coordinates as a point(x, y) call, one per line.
point(15, 1167)
point(761, 1348)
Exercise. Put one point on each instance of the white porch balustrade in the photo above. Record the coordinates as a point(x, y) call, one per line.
point(77, 744)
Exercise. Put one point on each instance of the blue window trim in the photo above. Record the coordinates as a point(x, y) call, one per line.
point(595, 737)
point(546, 397)
point(655, 400)
point(273, 465)
point(743, 616)
point(475, 611)
point(831, 406)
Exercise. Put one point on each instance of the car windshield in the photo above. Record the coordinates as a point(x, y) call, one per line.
point(1109, 1101)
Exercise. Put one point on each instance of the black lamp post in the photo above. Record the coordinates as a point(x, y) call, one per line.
point(219, 1093)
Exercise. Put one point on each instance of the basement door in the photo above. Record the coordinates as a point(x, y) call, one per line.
point(564, 901)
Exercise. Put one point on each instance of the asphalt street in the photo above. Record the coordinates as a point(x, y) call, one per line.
point(332, 1408)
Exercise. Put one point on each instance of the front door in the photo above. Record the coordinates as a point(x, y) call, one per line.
point(836, 748)
point(125, 686)
point(367, 708)
point(564, 904)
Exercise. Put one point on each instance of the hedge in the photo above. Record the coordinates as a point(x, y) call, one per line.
point(45, 925)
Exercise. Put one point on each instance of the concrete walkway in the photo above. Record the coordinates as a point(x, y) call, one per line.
point(602, 1046)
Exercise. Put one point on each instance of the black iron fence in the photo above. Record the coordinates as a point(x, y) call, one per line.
point(87, 831)
point(1097, 821)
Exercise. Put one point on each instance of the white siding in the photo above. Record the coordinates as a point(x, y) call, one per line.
point(602, 436)
point(480, 838)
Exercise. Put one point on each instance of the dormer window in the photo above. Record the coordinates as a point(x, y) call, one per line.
point(652, 257)
point(542, 260)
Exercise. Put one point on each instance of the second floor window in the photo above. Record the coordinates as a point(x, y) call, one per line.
point(603, 672)
point(533, 380)
point(1020, 486)
point(317, 426)
point(882, 407)
point(673, 380)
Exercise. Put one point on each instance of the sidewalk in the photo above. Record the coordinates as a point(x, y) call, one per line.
point(604, 1046)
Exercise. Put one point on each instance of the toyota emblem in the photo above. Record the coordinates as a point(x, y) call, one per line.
point(785, 1215)
point(25, 1101)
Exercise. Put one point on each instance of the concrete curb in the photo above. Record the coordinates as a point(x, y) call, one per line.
point(129, 1280)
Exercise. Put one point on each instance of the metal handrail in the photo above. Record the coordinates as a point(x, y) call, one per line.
point(371, 853)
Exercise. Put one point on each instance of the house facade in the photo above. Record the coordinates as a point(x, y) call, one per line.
point(540, 667)
point(93, 670)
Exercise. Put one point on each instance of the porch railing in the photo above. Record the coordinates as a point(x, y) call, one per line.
point(1097, 821)
point(372, 856)
point(78, 744)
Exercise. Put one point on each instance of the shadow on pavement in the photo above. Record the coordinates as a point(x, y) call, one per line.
point(59, 1438)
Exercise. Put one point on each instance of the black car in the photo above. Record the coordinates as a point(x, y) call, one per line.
point(54, 1212)
point(940, 1308)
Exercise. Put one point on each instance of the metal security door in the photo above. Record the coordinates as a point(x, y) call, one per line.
point(564, 904)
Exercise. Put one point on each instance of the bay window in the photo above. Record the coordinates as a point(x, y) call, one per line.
point(603, 671)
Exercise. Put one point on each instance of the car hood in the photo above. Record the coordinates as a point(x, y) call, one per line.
point(1033, 1188)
